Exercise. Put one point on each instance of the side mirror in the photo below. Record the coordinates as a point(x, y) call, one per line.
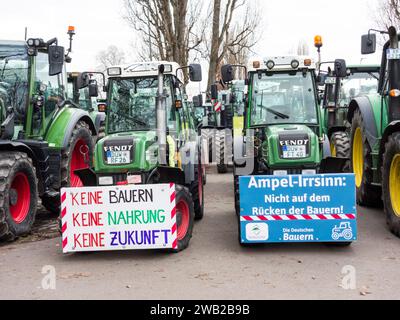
point(195, 73)
point(196, 102)
point(56, 60)
point(93, 89)
point(227, 73)
point(214, 92)
point(368, 44)
point(340, 68)
point(83, 81)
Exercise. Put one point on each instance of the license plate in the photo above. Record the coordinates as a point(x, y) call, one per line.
point(294, 152)
point(118, 157)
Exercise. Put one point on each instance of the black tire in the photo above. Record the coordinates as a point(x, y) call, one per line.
point(81, 132)
point(13, 166)
point(367, 194)
point(341, 142)
point(195, 188)
point(392, 151)
point(183, 195)
point(237, 195)
point(222, 168)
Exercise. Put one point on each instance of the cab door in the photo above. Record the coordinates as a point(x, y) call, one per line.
point(48, 92)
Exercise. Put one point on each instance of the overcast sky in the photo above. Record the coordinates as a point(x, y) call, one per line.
point(99, 24)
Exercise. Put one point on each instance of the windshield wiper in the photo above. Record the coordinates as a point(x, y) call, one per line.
point(6, 61)
point(134, 119)
point(278, 114)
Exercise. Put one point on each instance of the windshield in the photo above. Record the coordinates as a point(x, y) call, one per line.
point(358, 84)
point(133, 104)
point(13, 79)
point(283, 98)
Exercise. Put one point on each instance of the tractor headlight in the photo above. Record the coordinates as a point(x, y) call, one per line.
point(295, 64)
point(270, 64)
point(112, 72)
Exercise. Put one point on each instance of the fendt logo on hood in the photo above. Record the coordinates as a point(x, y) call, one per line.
point(118, 148)
point(301, 142)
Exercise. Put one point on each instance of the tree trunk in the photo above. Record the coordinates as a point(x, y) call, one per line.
point(215, 44)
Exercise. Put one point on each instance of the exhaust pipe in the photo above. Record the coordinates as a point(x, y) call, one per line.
point(161, 118)
point(394, 77)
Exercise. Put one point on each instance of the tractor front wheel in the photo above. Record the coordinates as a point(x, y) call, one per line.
point(185, 217)
point(18, 195)
point(361, 164)
point(78, 155)
point(340, 145)
point(391, 183)
point(197, 191)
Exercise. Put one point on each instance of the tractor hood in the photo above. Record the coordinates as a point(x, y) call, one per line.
point(133, 152)
point(291, 146)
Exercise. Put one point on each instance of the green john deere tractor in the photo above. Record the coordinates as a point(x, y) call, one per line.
point(151, 137)
point(283, 130)
point(359, 80)
point(375, 134)
point(44, 137)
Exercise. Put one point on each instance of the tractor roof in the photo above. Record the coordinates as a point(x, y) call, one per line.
point(146, 69)
point(282, 63)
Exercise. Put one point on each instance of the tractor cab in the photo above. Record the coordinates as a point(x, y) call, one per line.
point(283, 113)
point(135, 124)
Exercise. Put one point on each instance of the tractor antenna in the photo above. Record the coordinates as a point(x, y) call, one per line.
point(26, 33)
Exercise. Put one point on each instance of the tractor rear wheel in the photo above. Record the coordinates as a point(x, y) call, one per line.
point(185, 218)
point(391, 183)
point(340, 145)
point(18, 195)
point(78, 155)
point(197, 191)
point(361, 164)
point(220, 142)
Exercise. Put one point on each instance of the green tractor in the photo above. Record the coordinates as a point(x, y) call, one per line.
point(375, 134)
point(151, 137)
point(83, 89)
point(283, 130)
point(359, 80)
point(44, 137)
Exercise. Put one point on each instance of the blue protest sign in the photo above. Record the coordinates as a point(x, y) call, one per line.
point(298, 208)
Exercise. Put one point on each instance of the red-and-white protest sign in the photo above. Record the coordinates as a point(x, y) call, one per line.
point(119, 218)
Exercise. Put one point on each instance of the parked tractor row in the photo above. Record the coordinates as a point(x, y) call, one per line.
point(272, 127)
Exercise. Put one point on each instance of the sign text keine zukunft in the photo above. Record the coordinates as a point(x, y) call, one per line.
point(119, 218)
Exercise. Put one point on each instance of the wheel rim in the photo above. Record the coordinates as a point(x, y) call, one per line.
point(182, 211)
point(394, 179)
point(78, 162)
point(20, 209)
point(358, 157)
point(333, 150)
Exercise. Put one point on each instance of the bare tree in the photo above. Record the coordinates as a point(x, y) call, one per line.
point(168, 29)
point(233, 34)
point(110, 57)
point(388, 14)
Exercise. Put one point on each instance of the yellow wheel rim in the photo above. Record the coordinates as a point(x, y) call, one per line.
point(394, 184)
point(333, 150)
point(358, 157)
